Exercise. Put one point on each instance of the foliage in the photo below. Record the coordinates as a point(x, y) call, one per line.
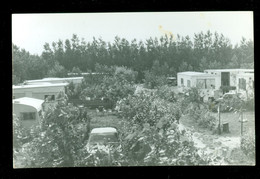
point(235, 103)
point(73, 91)
point(202, 51)
point(248, 144)
point(125, 73)
point(104, 156)
point(57, 71)
point(157, 75)
point(76, 71)
point(18, 132)
point(152, 80)
point(143, 108)
point(56, 141)
point(207, 120)
point(165, 92)
point(193, 95)
point(26, 66)
point(112, 87)
point(152, 135)
point(197, 109)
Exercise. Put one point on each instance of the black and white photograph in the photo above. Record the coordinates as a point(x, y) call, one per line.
point(117, 89)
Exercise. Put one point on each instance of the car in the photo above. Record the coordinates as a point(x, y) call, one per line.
point(230, 95)
point(100, 138)
point(228, 102)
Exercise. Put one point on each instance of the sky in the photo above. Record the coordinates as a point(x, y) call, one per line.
point(32, 31)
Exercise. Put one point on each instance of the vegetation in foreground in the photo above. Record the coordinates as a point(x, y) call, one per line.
point(149, 134)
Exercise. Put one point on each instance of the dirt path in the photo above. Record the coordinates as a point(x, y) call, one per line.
point(223, 150)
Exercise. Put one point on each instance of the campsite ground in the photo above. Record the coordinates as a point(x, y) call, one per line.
point(225, 145)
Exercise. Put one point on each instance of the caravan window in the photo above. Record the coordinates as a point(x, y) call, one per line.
point(49, 97)
point(28, 115)
point(182, 81)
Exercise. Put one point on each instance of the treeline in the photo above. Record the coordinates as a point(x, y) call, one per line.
point(168, 55)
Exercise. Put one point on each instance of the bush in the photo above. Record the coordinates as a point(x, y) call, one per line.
point(152, 135)
point(73, 91)
point(198, 110)
point(248, 144)
point(152, 80)
point(126, 74)
point(57, 71)
point(165, 92)
point(250, 104)
point(57, 140)
point(206, 120)
point(112, 87)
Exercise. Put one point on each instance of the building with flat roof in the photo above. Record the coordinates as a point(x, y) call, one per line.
point(75, 80)
point(41, 91)
point(227, 77)
point(195, 79)
point(206, 83)
point(245, 84)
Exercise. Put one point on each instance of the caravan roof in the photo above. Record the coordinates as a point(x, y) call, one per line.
point(36, 103)
point(193, 73)
point(39, 85)
point(230, 70)
point(54, 79)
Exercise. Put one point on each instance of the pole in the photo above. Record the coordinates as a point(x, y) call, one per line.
point(219, 129)
point(242, 120)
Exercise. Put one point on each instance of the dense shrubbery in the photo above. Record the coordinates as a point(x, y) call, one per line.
point(248, 144)
point(73, 91)
point(57, 140)
point(165, 92)
point(152, 80)
point(198, 110)
point(207, 120)
point(19, 133)
point(157, 75)
point(113, 86)
point(152, 123)
point(146, 108)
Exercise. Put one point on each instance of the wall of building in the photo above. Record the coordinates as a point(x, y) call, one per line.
point(185, 79)
point(38, 92)
point(233, 75)
point(249, 84)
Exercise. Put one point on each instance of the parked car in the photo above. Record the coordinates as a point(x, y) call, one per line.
point(228, 102)
point(100, 138)
point(230, 96)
